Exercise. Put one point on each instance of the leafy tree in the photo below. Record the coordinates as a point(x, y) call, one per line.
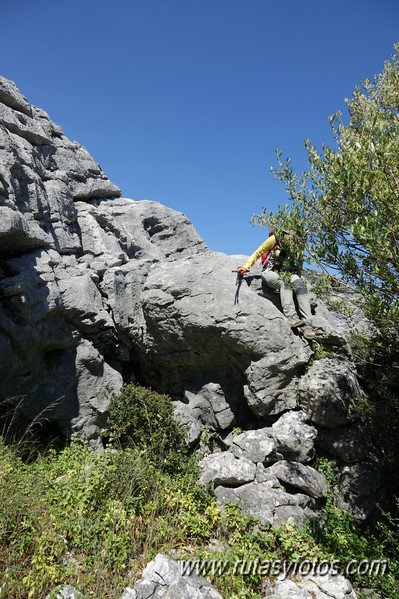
point(346, 205)
point(348, 200)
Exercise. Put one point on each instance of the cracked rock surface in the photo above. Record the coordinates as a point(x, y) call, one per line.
point(97, 290)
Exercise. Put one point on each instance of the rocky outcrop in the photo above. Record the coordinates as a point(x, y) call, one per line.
point(97, 290)
point(72, 255)
point(163, 578)
point(255, 474)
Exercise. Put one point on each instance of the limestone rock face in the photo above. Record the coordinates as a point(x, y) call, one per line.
point(97, 290)
point(72, 255)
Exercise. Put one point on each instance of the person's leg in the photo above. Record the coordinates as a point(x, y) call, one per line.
point(302, 296)
point(274, 281)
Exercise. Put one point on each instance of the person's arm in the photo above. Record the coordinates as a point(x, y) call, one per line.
point(265, 247)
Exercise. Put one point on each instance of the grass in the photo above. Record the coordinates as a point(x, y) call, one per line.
point(71, 516)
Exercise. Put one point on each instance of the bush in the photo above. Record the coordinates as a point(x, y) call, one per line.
point(343, 537)
point(95, 520)
point(143, 419)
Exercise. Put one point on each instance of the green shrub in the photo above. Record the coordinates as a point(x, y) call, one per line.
point(347, 540)
point(142, 418)
point(95, 520)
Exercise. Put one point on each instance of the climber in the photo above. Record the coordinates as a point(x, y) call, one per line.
point(282, 257)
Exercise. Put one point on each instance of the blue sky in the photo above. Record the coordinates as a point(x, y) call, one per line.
point(186, 101)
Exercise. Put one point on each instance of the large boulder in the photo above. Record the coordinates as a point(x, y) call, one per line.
point(259, 446)
point(269, 503)
point(193, 333)
point(98, 290)
point(295, 436)
point(329, 390)
point(299, 476)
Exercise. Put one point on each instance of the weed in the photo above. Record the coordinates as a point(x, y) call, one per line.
point(95, 520)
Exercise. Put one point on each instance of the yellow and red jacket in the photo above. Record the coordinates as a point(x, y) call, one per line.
point(276, 257)
point(262, 249)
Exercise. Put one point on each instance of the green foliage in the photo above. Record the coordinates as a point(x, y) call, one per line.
point(209, 439)
point(320, 351)
point(245, 542)
point(95, 520)
point(143, 419)
point(340, 535)
point(347, 203)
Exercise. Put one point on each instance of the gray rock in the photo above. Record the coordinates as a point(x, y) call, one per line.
point(304, 478)
point(163, 578)
point(348, 443)
point(257, 445)
point(359, 488)
point(12, 97)
point(290, 437)
point(193, 334)
point(25, 126)
point(339, 307)
point(295, 437)
point(268, 503)
point(328, 391)
point(91, 373)
point(192, 424)
point(19, 234)
point(272, 380)
point(264, 475)
point(213, 399)
point(308, 587)
point(224, 469)
point(59, 373)
point(98, 289)
point(68, 329)
point(211, 407)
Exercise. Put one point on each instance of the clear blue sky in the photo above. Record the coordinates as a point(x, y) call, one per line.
point(185, 101)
